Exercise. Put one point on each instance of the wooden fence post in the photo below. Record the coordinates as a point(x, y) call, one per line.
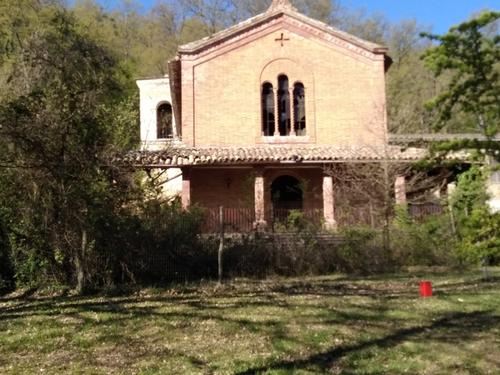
point(221, 242)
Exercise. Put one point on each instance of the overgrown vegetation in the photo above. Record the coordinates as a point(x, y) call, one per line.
point(477, 228)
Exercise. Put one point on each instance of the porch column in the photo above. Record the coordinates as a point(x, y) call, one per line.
point(292, 112)
point(400, 190)
point(186, 188)
point(260, 212)
point(329, 203)
point(276, 113)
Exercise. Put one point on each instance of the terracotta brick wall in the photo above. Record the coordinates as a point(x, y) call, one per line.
point(234, 188)
point(222, 187)
point(345, 87)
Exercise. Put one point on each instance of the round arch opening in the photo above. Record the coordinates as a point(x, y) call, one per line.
point(164, 121)
point(287, 194)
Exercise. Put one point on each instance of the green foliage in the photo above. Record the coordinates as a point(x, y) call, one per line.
point(249, 256)
point(477, 227)
point(144, 42)
point(427, 242)
point(470, 192)
point(58, 125)
point(360, 251)
point(297, 221)
point(480, 240)
point(158, 243)
point(471, 58)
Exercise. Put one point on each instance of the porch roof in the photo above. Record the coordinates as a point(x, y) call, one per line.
point(178, 156)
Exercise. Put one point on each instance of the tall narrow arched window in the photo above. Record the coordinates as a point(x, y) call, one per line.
point(283, 105)
point(299, 107)
point(268, 118)
point(164, 128)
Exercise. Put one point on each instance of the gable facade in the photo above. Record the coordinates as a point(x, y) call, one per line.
point(222, 83)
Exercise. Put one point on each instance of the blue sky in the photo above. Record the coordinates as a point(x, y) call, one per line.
point(440, 14)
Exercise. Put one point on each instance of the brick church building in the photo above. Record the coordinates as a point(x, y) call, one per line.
point(254, 116)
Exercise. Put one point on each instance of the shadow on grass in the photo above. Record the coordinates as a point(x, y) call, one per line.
point(451, 327)
point(251, 293)
point(220, 305)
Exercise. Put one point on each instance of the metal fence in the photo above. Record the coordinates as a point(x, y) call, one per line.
point(422, 210)
point(281, 219)
point(236, 220)
point(242, 219)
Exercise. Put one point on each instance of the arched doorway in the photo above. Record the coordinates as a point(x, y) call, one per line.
point(286, 194)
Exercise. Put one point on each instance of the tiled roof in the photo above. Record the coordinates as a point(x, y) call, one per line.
point(277, 12)
point(176, 156)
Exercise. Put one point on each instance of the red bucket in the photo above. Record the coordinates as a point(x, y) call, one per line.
point(425, 289)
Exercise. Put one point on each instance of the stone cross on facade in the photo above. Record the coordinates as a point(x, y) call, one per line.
point(280, 4)
point(282, 39)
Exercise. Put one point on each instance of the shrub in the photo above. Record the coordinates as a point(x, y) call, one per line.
point(249, 256)
point(477, 227)
point(427, 242)
point(360, 251)
point(158, 243)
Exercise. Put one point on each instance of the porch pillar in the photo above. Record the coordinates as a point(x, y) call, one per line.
point(400, 190)
point(292, 112)
point(276, 113)
point(186, 188)
point(260, 212)
point(329, 203)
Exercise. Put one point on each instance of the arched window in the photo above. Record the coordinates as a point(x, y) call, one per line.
point(164, 128)
point(283, 106)
point(299, 107)
point(268, 119)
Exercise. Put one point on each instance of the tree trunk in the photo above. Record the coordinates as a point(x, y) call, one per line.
point(79, 265)
point(387, 214)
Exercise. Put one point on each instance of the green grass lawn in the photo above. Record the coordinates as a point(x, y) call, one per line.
point(333, 324)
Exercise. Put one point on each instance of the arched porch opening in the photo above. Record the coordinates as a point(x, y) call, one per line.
point(287, 194)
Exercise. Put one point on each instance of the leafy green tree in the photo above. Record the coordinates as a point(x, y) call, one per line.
point(58, 124)
point(470, 57)
point(477, 227)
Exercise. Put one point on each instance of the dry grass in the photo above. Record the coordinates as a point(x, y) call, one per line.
point(331, 324)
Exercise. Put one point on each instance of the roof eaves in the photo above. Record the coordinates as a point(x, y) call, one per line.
point(222, 35)
point(194, 47)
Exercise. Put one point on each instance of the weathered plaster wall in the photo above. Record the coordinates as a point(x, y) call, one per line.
point(153, 92)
